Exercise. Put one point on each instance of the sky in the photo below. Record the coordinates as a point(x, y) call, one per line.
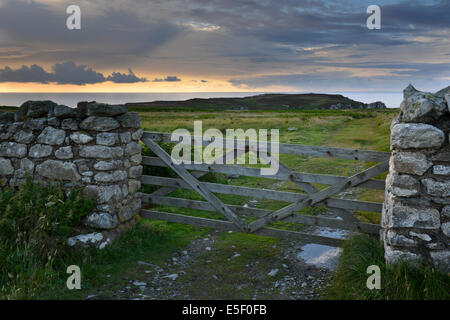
point(223, 46)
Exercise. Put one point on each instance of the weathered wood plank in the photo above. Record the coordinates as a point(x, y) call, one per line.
point(196, 185)
point(200, 205)
point(306, 186)
point(197, 221)
point(283, 174)
point(346, 215)
point(229, 226)
point(264, 193)
point(328, 152)
point(312, 151)
point(300, 236)
point(333, 223)
point(319, 196)
point(166, 190)
point(256, 212)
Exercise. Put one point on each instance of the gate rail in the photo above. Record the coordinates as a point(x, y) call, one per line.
point(189, 174)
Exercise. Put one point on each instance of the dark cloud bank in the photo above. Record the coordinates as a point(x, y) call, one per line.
point(65, 73)
point(167, 79)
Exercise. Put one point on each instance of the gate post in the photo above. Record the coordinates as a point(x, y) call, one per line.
point(416, 211)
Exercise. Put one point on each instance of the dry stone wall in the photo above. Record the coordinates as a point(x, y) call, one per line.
point(94, 145)
point(416, 211)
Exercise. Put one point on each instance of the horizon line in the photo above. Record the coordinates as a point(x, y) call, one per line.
point(165, 92)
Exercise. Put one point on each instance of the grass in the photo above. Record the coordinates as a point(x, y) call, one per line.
point(398, 282)
point(35, 223)
point(8, 109)
point(154, 242)
point(360, 129)
point(346, 129)
point(149, 241)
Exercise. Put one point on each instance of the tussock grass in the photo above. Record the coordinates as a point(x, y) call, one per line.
point(35, 222)
point(398, 282)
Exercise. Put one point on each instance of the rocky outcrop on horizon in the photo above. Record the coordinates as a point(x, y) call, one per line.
point(373, 105)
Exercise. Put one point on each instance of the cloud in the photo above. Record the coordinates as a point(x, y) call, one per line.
point(34, 73)
point(118, 77)
point(172, 79)
point(110, 37)
point(322, 81)
point(287, 40)
point(325, 79)
point(167, 79)
point(312, 22)
point(70, 73)
point(64, 73)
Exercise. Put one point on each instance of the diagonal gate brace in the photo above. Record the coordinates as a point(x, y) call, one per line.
point(196, 185)
point(314, 198)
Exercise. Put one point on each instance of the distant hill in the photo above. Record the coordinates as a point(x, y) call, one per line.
point(266, 102)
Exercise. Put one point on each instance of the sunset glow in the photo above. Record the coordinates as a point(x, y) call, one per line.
point(229, 46)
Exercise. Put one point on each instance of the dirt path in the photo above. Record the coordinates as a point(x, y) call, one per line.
point(219, 266)
point(226, 265)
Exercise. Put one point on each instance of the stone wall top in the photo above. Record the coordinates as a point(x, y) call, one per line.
point(94, 145)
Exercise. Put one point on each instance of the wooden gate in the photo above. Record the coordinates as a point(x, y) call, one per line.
point(190, 173)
